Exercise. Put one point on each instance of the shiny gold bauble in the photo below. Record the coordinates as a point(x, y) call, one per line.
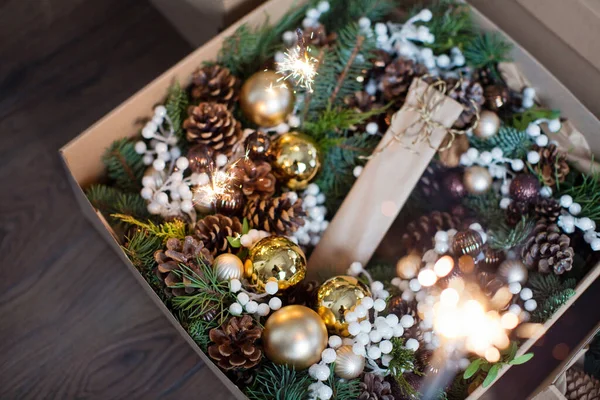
point(513, 271)
point(265, 99)
point(295, 159)
point(257, 145)
point(230, 201)
point(337, 296)
point(408, 266)
point(294, 336)
point(275, 257)
point(228, 266)
point(477, 180)
point(347, 364)
point(488, 126)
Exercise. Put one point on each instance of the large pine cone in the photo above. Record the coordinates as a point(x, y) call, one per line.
point(548, 209)
point(398, 77)
point(235, 344)
point(212, 124)
point(216, 84)
point(277, 215)
point(304, 294)
point(552, 167)
point(214, 229)
point(581, 386)
point(419, 233)
point(470, 95)
point(374, 387)
point(189, 252)
point(255, 178)
point(548, 249)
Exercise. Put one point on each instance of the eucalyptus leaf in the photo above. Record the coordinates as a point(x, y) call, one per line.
point(234, 242)
point(492, 375)
point(521, 359)
point(472, 368)
point(245, 227)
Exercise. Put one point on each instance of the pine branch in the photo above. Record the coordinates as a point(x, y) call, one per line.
point(360, 39)
point(177, 104)
point(550, 306)
point(110, 200)
point(585, 191)
point(124, 166)
point(451, 25)
point(514, 143)
point(486, 207)
point(173, 229)
point(278, 382)
point(403, 360)
point(346, 12)
point(198, 330)
point(343, 389)
point(486, 51)
point(333, 122)
point(504, 237)
point(140, 249)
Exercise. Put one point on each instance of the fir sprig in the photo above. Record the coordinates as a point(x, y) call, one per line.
point(278, 382)
point(346, 12)
point(586, 192)
point(177, 104)
point(486, 50)
point(173, 229)
point(550, 292)
point(551, 306)
point(140, 249)
point(451, 25)
point(124, 165)
point(486, 206)
point(199, 329)
point(110, 200)
point(336, 121)
point(504, 237)
point(403, 360)
point(513, 142)
point(212, 294)
point(343, 389)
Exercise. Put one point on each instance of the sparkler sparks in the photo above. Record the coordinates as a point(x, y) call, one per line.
point(211, 187)
point(298, 64)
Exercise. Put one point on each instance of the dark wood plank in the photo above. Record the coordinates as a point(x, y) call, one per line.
point(75, 324)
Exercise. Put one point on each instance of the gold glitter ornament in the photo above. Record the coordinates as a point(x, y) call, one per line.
point(294, 336)
point(228, 266)
point(477, 179)
point(265, 99)
point(295, 159)
point(348, 365)
point(335, 297)
point(278, 258)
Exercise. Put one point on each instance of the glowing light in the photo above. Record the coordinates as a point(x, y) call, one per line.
point(427, 278)
point(449, 297)
point(298, 64)
point(443, 266)
point(219, 183)
point(492, 354)
point(509, 321)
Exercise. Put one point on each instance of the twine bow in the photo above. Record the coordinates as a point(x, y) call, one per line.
point(426, 106)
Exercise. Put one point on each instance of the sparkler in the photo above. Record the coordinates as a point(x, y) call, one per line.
point(211, 187)
point(298, 64)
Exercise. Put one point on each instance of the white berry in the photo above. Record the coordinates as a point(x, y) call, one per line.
point(530, 305)
point(517, 165)
point(372, 128)
point(275, 303)
point(595, 244)
point(357, 171)
point(533, 130)
point(271, 287)
point(566, 201)
point(379, 305)
point(363, 338)
point(335, 341)
point(575, 208)
point(322, 372)
point(412, 344)
point(386, 346)
point(235, 285)
point(374, 352)
point(328, 356)
point(554, 125)
point(235, 309)
point(365, 326)
point(392, 319)
point(526, 294)
point(263, 309)
point(358, 349)
point(354, 328)
point(541, 140)
point(514, 287)
point(367, 302)
point(533, 157)
point(243, 298)
point(407, 321)
point(375, 336)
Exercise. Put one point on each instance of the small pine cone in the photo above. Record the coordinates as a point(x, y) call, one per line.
point(303, 294)
point(380, 60)
point(317, 36)
point(552, 167)
point(215, 84)
point(235, 344)
point(419, 233)
point(429, 185)
point(255, 178)
point(515, 211)
point(548, 209)
point(581, 386)
point(277, 215)
point(398, 77)
point(470, 95)
point(214, 229)
point(548, 249)
point(412, 379)
point(374, 387)
point(189, 252)
point(212, 124)
point(396, 305)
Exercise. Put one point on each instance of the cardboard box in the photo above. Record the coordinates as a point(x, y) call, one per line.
point(82, 156)
point(555, 385)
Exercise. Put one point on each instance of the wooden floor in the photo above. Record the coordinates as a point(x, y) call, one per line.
point(74, 323)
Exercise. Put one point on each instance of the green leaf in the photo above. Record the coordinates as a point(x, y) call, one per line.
point(521, 359)
point(234, 242)
point(245, 227)
point(491, 375)
point(472, 368)
point(512, 350)
point(522, 120)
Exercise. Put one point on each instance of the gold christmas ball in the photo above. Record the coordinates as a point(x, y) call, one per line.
point(408, 266)
point(347, 364)
point(228, 266)
point(295, 159)
point(335, 297)
point(265, 100)
point(513, 271)
point(294, 336)
point(488, 126)
point(477, 179)
point(275, 257)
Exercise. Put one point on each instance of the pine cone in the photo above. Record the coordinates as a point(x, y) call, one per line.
point(429, 185)
point(190, 252)
point(548, 209)
point(412, 379)
point(419, 233)
point(214, 229)
point(362, 102)
point(255, 178)
point(215, 84)
point(235, 344)
point(380, 59)
point(374, 387)
point(398, 77)
point(396, 305)
point(277, 215)
point(552, 167)
point(470, 95)
point(548, 249)
point(317, 36)
point(581, 386)
point(515, 211)
point(212, 124)
point(303, 294)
